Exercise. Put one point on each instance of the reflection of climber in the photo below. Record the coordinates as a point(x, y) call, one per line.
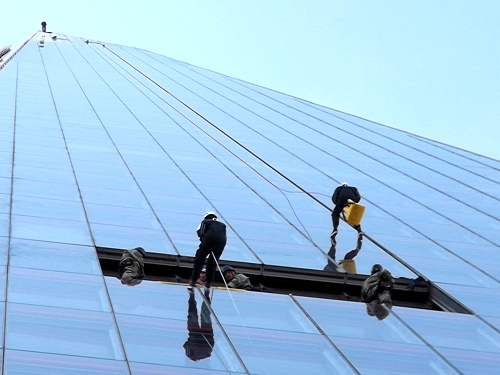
point(200, 342)
point(348, 258)
point(380, 311)
point(376, 292)
point(340, 198)
point(131, 266)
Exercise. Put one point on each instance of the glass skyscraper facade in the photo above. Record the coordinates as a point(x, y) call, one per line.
point(106, 146)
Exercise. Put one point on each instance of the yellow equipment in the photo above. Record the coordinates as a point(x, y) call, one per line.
point(354, 213)
point(349, 265)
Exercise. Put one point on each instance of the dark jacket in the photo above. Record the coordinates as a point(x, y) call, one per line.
point(212, 232)
point(240, 281)
point(342, 193)
point(131, 267)
point(378, 287)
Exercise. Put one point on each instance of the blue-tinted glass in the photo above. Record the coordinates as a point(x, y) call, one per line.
point(269, 351)
point(167, 342)
point(4, 181)
point(155, 241)
point(494, 321)
point(4, 225)
point(4, 203)
point(476, 298)
point(44, 229)
point(149, 369)
point(3, 282)
point(26, 362)
point(149, 298)
point(260, 310)
point(458, 331)
point(288, 255)
point(113, 197)
point(58, 289)
point(62, 331)
point(2, 316)
point(122, 216)
point(379, 357)
point(49, 190)
point(48, 208)
point(471, 362)
point(44, 174)
point(351, 319)
point(4, 248)
point(54, 256)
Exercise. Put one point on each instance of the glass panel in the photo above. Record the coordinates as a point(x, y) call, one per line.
point(48, 208)
point(45, 229)
point(62, 331)
point(148, 299)
point(169, 342)
point(122, 216)
point(472, 362)
point(351, 319)
point(58, 289)
point(21, 362)
point(260, 310)
point(27, 172)
point(3, 282)
point(148, 369)
point(4, 225)
point(4, 248)
point(54, 256)
point(458, 331)
point(4, 204)
point(380, 357)
point(46, 190)
point(4, 180)
point(478, 299)
point(113, 236)
point(113, 197)
point(278, 352)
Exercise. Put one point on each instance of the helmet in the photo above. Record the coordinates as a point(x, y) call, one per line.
point(141, 250)
point(227, 268)
point(377, 268)
point(210, 215)
point(203, 270)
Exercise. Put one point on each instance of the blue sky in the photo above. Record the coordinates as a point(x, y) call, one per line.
point(430, 67)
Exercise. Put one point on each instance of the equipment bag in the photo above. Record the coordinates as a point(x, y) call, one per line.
point(354, 213)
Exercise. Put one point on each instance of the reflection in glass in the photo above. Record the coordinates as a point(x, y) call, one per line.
point(266, 351)
point(131, 266)
point(376, 292)
point(26, 362)
point(62, 331)
point(200, 342)
point(58, 289)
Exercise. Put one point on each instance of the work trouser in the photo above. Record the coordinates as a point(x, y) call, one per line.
point(213, 251)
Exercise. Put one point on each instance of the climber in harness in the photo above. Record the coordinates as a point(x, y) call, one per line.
point(131, 266)
point(342, 196)
point(213, 238)
point(200, 342)
point(376, 292)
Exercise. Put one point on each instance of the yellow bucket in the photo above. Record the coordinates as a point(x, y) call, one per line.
point(349, 265)
point(354, 213)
